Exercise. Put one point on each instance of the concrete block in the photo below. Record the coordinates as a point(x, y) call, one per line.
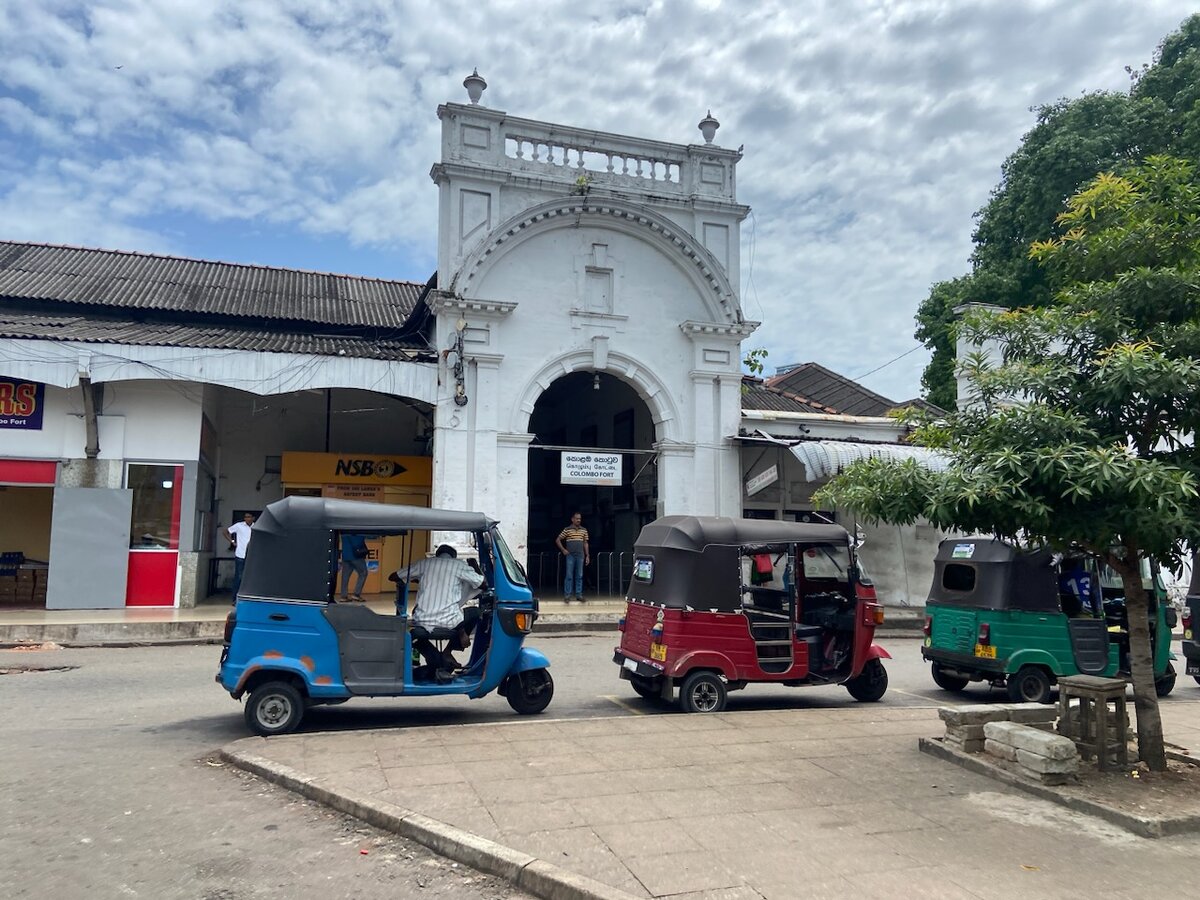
point(1023, 737)
point(1031, 713)
point(1002, 751)
point(965, 732)
point(1035, 762)
point(975, 714)
point(1055, 778)
point(966, 746)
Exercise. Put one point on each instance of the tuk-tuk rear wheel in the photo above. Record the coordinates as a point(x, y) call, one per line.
point(274, 707)
point(948, 682)
point(702, 692)
point(646, 688)
point(1166, 684)
point(1030, 684)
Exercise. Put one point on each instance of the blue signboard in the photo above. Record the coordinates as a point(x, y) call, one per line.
point(21, 403)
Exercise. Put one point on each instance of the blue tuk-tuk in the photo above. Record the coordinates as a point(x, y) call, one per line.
point(289, 645)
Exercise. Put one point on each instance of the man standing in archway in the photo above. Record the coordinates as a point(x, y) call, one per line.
point(572, 541)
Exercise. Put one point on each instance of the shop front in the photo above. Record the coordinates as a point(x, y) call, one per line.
point(26, 507)
point(403, 480)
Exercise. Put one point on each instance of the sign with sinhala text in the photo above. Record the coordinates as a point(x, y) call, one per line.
point(21, 403)
point(761, 480)
point(591, 468)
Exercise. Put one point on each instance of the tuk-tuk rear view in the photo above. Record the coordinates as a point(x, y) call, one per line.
point(716, 604)
point(999, 613)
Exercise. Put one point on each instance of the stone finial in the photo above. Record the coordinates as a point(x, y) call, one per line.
point(475, 85)
point(708, 127)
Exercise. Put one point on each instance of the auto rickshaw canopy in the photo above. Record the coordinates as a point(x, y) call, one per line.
point(987, 573)
point(694, 562)
point(293, 547)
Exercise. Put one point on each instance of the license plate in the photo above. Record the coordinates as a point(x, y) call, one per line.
point(987, 651)
point(659, 652)
point(1193, 668)
point(630, 664)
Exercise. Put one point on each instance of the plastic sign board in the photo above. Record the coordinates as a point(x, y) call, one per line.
point(21, 404)
point(761, 480)
point(592, 468)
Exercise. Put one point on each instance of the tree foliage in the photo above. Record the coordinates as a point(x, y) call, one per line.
point(1071, 142)
point(1083, 430)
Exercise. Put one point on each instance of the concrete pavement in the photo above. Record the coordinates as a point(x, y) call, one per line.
point(821, 802)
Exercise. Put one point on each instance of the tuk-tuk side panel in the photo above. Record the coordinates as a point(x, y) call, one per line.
point(288, 636)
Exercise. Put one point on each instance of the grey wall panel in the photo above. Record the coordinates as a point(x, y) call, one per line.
point(89, 548)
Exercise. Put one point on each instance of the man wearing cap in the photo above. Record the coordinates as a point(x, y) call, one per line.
point(447, 583)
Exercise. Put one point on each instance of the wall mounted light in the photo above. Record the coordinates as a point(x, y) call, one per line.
point(596, 382)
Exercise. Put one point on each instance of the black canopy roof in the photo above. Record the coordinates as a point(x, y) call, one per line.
point(698, 532)
point(293, 547)
point(1003, 575)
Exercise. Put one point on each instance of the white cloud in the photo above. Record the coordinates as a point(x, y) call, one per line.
point(872, 130)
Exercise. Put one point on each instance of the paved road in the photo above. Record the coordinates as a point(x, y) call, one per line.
point(109, 786)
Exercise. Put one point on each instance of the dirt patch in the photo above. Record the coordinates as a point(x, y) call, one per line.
point(31, 648)
point(1136, 790)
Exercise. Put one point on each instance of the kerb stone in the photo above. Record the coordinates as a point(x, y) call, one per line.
point(1043, 766)
point(1031, 713)
point(1025, 737)
point(977, 714)
point(966, 746)
point(965, 732)
point(1002, 751)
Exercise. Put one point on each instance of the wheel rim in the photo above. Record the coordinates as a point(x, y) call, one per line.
point(1031, 689)
point(704, 697)
point(273, 711)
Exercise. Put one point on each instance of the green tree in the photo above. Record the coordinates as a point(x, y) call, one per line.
point(1083, 431)
point(1071, 142)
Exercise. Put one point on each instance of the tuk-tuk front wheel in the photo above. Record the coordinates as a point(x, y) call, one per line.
point(274, 707)
point(1030, 684)
point(870, 684)
point(528, 693)
point(702, 692)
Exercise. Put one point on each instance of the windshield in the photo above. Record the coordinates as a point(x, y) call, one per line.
point(1111, 581)
point(512, 568)
point(828, 561)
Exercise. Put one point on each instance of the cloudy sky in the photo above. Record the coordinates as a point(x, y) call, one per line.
point(301, 132)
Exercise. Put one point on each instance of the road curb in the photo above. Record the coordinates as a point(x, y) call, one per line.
point(529, 873)
point(1143, 826)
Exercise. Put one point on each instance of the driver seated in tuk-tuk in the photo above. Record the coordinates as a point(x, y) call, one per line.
point(447, 583)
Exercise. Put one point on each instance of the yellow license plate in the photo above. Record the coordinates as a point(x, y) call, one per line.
point(659, 652)
point(987, 651)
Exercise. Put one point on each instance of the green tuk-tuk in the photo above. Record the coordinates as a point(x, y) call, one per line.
point(995, 613)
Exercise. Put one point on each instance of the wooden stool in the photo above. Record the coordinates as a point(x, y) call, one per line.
point(1098, 731)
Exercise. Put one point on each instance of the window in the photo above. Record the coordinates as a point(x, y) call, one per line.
point(826, 561)
point(957, 577)
point(157, 499)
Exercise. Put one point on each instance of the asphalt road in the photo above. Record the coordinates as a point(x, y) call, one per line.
point(109, 785)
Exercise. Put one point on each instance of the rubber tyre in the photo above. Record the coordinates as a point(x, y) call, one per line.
point(1030, 684)
point(702, 692)
point(870, 684)
point(954, 683)
point(529, 693)
point(275, 707)
point(1166, 684)
point(646, 688)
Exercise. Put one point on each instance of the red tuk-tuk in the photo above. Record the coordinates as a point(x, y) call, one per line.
point(716, 604)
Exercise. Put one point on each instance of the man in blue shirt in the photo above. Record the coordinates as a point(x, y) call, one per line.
point(354, 559)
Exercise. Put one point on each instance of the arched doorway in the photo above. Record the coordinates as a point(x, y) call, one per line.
point(581, 412)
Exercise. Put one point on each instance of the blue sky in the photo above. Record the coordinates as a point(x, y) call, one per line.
point(300, 133)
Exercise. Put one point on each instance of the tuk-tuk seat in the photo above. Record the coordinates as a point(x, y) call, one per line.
point(432, 634)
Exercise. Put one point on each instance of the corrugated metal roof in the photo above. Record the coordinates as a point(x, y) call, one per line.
point(757, 395)
point(820, 385)
point(92, 328)
point(125, 280)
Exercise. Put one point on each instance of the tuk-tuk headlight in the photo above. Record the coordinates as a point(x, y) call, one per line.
point(523, 621)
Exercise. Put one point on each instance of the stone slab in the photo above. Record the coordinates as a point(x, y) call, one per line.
point(974, 714)
point(1003, 751)
point(1043, 743)
point(1040, 765)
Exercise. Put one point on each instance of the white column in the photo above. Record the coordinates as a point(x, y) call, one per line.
point(512, 491)
point(675, 479)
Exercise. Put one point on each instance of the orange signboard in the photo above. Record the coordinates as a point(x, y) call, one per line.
point(369, 469)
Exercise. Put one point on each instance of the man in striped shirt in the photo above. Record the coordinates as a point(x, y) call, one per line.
point(572, 541)
point(447, 583)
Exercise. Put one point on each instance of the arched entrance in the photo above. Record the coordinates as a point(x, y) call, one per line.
point(581, 412)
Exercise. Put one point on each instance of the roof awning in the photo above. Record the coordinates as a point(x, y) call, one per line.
point(824, 459)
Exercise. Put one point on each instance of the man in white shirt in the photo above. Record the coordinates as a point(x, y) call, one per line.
point(447, 583)
point(239, 535)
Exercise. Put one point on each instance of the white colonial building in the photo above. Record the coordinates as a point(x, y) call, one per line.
point(585, 310)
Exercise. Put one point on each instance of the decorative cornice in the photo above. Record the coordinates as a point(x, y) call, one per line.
point(444, 301)
point(729, 330)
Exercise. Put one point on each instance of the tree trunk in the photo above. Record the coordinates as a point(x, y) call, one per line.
point(1141, 664)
